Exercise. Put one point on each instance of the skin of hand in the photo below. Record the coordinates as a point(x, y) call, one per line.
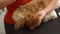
point(31, 21)
point(46, 10)
point(4, 3)
point(41, 14)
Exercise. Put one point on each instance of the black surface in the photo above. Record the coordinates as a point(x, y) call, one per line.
point(51, 27)
point(57, 11)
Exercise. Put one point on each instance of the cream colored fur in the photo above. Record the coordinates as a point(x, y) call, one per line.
point(32, 7)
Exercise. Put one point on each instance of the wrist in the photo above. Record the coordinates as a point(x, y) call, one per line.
point(43, 11)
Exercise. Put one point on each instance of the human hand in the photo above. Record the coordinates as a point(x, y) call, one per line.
point(34, 20)
point(12, 1)
point(31, 22)
point(41, 14)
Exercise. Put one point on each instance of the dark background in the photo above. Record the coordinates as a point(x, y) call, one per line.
point(51, 27)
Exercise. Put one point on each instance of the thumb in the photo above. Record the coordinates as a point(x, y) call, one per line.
point(42, 16)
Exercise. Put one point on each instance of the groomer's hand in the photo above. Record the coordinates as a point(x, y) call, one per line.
point(41, 14)
point(33, 19)
point(12, 1)
point(4, 3)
